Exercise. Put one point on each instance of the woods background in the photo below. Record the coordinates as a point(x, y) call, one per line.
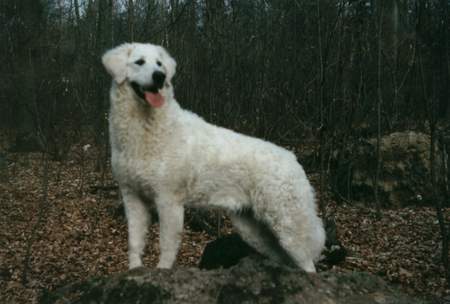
point(282, 70)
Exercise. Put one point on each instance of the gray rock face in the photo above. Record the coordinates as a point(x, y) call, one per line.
point(405, 171)
point(251, 281)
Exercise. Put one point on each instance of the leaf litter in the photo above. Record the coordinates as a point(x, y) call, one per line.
point(82, 234)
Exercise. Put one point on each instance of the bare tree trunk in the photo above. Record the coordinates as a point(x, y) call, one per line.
point(131, 20)
point(77, 21)
point(100, 110)
point(395, 19)
point(110, 22)
point(379, 103)
point(23, 55)
point(444, 60)
point(322, 110)
point(443, 226)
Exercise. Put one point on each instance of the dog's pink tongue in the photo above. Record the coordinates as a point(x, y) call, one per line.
point(155, 100)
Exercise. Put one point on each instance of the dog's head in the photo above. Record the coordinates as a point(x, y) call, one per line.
point(147, 68)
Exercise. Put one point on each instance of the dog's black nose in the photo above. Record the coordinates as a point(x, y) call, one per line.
point(158, 78)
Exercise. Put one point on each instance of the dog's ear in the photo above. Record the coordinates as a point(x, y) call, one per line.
point(115, 62)
point(169, 62)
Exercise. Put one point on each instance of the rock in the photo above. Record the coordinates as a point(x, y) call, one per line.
point(405, 171)
point(250, 281)
point(225, 252)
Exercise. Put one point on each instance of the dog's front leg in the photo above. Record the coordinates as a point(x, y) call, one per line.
point(171, 217)
point(138, 220)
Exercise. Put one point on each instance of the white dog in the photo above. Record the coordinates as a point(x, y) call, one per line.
point(170, 156)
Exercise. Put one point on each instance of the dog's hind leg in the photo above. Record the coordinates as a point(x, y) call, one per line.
point(171, 217)
point(138, 220)
point(260, 237)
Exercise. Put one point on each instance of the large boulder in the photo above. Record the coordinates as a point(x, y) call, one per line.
point(405, 170)
point(251, 281)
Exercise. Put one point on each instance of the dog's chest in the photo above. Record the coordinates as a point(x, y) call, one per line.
point(134, 158)
point(134, 170)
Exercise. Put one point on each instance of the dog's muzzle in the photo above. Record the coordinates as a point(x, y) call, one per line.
point(158, 79)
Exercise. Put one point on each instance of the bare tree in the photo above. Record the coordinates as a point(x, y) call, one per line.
point(379, 104)
point(131, 19)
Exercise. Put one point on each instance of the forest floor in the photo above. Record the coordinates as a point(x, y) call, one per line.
point(59, 224)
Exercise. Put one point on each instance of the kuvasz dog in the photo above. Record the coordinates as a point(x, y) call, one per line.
point(173, 158)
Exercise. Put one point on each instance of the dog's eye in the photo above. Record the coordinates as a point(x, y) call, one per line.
point(158, 63)
point(140, 62)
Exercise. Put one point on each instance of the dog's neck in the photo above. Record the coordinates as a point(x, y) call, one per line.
point(128, 115)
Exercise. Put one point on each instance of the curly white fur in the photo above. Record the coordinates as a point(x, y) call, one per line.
point(174, 158)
